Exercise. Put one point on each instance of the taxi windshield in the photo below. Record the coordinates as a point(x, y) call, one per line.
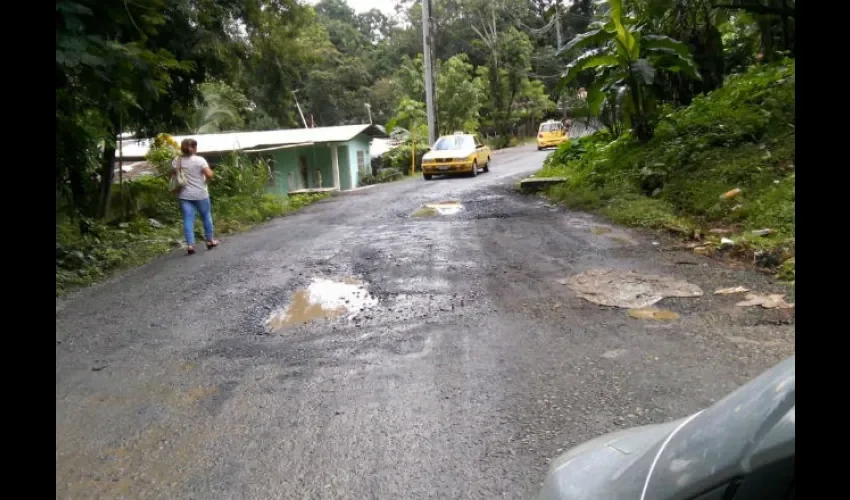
point(550, 127)
point(453, 142)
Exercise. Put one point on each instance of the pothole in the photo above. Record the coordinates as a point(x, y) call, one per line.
point(322, 299)
point(599, 230)
point(488, 197)
point(440, 208)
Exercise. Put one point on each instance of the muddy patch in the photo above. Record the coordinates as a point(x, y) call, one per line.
point(653, 314)
point(600, 230)
point(630, 290)
point(442, 208)
point(322, 299)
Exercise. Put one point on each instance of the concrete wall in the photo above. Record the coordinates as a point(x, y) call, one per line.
point(288, 168)
point(359, 144)
point(344, 169)
point(318, 159)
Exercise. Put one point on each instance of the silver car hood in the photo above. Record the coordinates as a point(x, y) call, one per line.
point(753, 426)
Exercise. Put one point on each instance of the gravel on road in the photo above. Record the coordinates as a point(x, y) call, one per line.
point(437, 356)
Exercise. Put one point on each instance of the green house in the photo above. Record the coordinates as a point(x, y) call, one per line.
point(303, 159)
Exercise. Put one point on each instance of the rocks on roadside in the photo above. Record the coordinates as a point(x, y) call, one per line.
point(537, 184)
point(627, 289)
point(768, 301)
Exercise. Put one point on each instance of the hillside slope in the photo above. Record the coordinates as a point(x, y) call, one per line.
point(738, 141)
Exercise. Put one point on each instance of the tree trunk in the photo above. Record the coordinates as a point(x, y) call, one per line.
point(76, 183)
point(785, 43)
point(107, 167)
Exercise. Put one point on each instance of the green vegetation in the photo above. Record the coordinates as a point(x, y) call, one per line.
point(195, 66)
point(625, 62)
point(89, 250)
point(741, 136)
point(384, 175)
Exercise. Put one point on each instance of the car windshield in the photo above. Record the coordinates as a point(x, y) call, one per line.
point(550, 127)
point(454, 142)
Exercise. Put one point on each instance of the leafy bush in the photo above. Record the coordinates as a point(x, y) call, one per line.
point(574, 148)
point(400, 156)
point(239, 175)
point(383, 175)
point(739, 136)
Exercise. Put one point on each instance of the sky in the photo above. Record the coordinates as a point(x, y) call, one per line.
point(385, 6)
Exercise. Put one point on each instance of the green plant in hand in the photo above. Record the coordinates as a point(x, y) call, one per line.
point(625, 62)
point(163, 151)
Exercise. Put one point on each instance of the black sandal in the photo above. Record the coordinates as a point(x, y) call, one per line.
point(190, 250)
point(212, 244)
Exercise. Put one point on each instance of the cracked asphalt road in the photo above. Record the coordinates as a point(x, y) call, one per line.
point(475, 368)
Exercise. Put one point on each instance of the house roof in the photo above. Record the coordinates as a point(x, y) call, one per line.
point(236, 141)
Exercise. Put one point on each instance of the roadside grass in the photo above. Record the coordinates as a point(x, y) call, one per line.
point(740, 136)
point(495, 144)
point(386, 175)
point(89, 251)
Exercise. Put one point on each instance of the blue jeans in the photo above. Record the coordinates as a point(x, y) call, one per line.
point(204, 208)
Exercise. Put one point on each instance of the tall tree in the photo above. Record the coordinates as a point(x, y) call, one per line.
point(113, 70)
point(625, 61)
point(459, 94)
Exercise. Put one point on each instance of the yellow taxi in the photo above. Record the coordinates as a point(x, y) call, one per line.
point(458, 153)
point(551, 134)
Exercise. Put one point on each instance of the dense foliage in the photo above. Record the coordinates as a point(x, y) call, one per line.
point(625, 61)
point(739, 136)
point(196, 66)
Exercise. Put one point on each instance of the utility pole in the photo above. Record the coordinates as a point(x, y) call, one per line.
point(427, 42)
point(558, 27)
point(299, 109)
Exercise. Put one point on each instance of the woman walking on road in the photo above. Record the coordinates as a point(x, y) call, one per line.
point(194, 194)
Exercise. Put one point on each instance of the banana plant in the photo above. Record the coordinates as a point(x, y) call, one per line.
point(625, 62)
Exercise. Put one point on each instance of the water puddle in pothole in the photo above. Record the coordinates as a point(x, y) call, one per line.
point(599, 230)
point(322, 299)
point(440, 208)
point(652, 313)
point(623, 240)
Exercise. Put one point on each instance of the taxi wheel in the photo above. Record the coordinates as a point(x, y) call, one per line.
point(428, 177)
point(487, 165)
point(475, 168)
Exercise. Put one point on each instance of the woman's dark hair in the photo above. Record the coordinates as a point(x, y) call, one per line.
point(188, 146)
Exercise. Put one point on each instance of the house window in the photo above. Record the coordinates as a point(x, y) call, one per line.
point(361, 163)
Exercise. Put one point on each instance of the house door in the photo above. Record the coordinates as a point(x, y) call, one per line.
point(302, 167)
